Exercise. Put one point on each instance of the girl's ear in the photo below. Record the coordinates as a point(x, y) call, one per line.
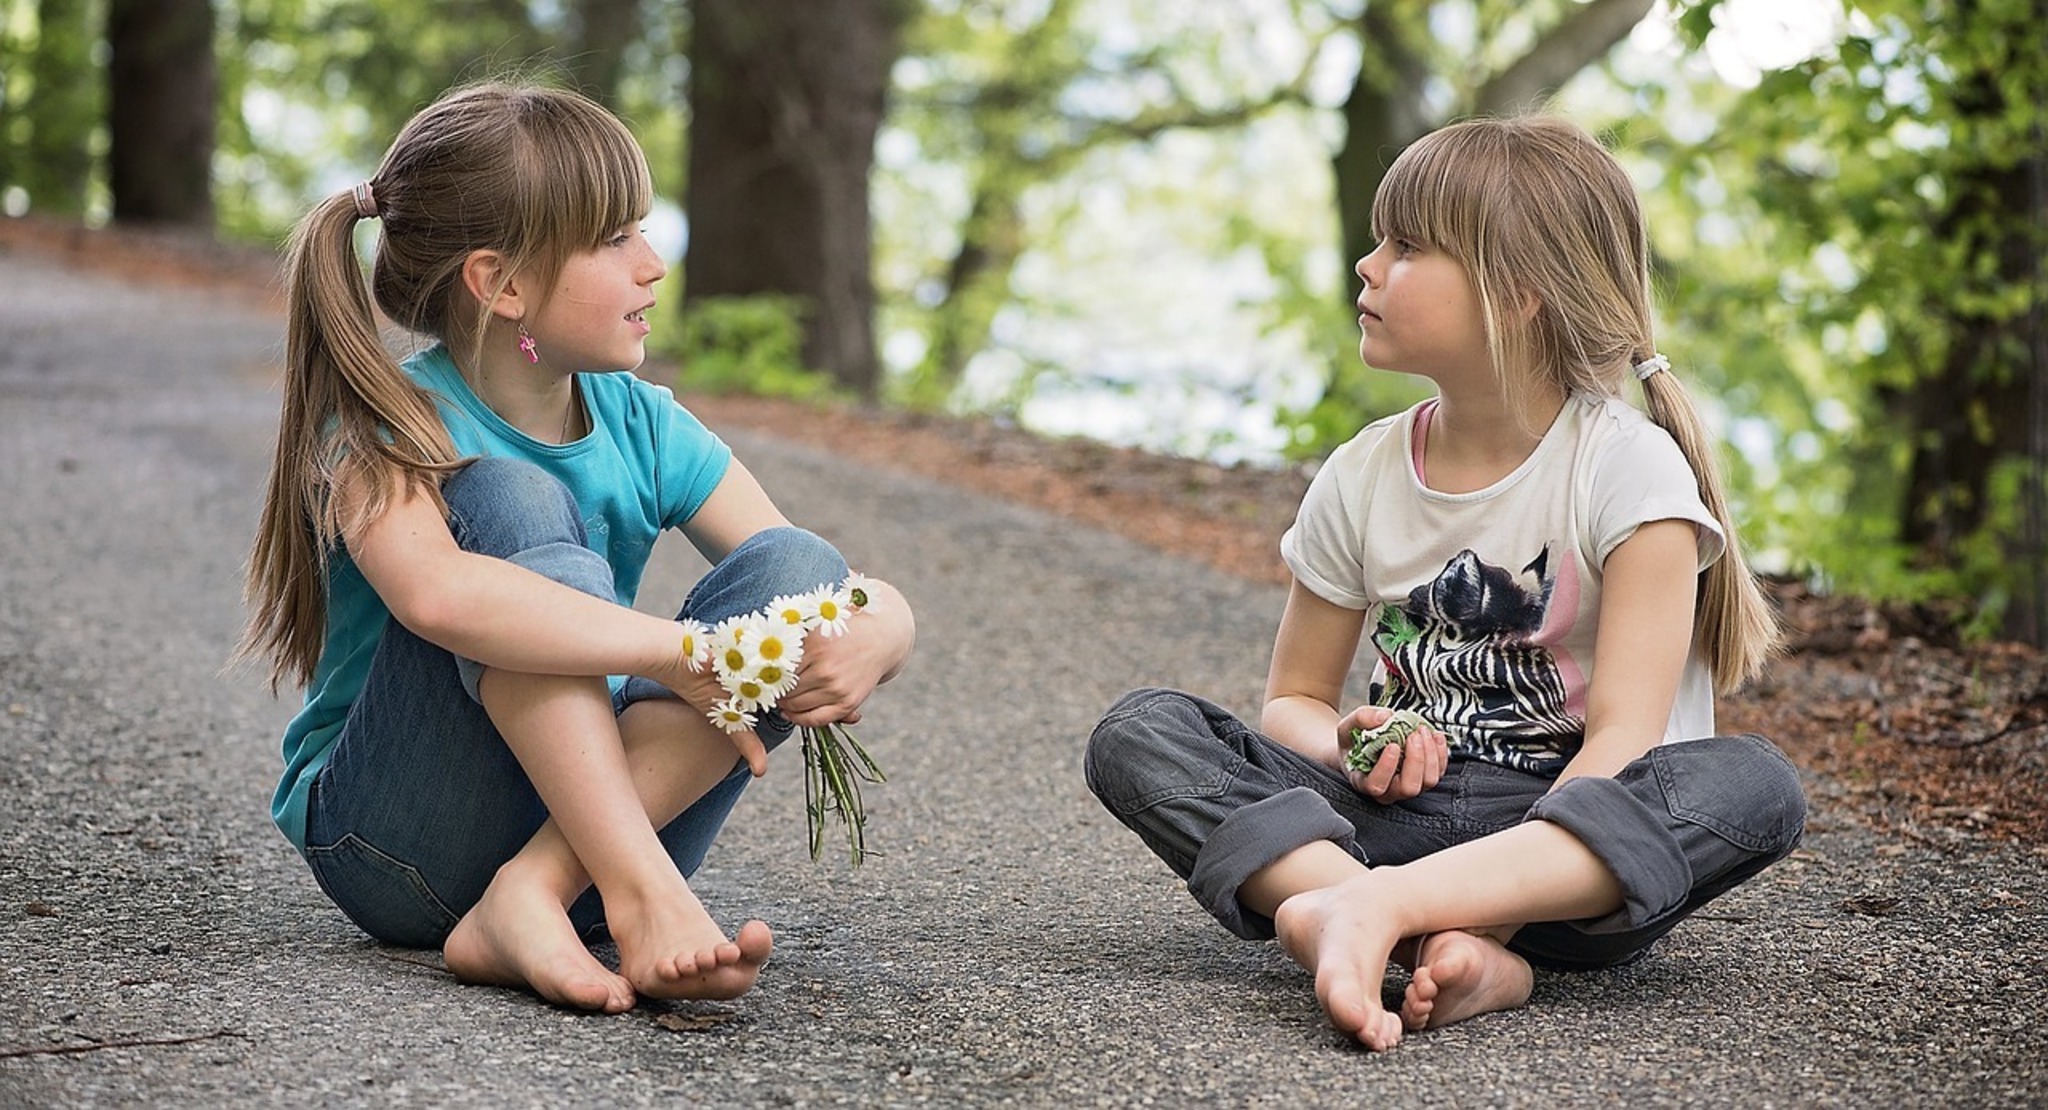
point(1531, 304)
point(484, 276)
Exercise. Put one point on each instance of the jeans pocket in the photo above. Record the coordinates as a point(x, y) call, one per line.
point(1133, 770)
point(386, 897)
point(1742, 788)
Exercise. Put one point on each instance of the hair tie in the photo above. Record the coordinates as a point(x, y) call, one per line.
point(366, 201)
point(1651, 365)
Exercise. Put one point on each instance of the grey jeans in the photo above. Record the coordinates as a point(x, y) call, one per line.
point(1218, 801)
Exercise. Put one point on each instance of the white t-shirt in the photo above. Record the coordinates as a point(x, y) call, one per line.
point(1483, 605)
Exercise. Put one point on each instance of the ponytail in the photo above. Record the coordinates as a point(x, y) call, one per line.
point(1736, 626)
point(349, 414)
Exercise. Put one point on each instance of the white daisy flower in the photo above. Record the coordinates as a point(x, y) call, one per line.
point(834, 607)
point(733, 643)
point(777, 644)
point(775, 679)
point(858, 588)
point(696, 644)
point(731, 716)
point(793, 611)
point(749, 692)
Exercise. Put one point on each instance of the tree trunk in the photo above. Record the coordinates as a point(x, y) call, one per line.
point(1986, 405)
point(1384, 113)
point(160, 112)
point(1386, 110)
point(785, 99)
point(599, 33)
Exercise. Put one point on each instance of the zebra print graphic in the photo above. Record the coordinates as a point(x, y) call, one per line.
point(1461, 651)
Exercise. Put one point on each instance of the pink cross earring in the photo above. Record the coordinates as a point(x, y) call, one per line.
point(527, 344)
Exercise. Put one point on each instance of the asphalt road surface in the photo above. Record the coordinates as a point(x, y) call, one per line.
point(161, 945)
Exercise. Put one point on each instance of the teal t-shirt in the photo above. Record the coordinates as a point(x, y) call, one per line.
point(646, 465)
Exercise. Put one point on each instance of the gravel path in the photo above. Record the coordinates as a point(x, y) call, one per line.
point(160, 944)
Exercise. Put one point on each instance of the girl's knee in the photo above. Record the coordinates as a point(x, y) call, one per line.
point(1143, 745)
point(499, 506)
point(792, 559)
point(1747, 787)
point(771, 563)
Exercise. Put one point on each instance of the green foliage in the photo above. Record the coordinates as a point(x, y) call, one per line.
point(750, 345)
point(1020, 111)
point(51, 101)
point(1830, 246)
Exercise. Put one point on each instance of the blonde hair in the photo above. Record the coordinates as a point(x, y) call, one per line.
point(532, 173)
point(1541, 215)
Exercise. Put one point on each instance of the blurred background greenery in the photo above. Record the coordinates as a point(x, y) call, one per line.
point(1134, 219)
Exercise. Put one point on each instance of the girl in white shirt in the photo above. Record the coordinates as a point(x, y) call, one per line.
point(1551, 580)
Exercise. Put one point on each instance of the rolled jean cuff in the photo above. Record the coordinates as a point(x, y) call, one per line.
point(1632, 839)
point(1252, 838)
point(572, 565)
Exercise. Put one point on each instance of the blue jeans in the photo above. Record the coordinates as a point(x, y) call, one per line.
point(1218, 801)
point(421, 801)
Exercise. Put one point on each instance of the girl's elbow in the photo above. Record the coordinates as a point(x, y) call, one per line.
point(429, 614)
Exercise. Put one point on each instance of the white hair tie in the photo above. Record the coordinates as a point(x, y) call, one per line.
point(366, 201)
point(1650, 366)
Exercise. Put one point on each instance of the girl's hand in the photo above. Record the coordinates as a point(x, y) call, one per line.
point(837, 675)
point(1403, 770)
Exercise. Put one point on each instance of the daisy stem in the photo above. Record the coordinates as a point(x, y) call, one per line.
point(835, 763)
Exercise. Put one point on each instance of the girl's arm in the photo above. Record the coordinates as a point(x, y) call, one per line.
point(1640, 647)
point(495, 612)
point(737, 508)
point(1311, 656)
point(838, 672)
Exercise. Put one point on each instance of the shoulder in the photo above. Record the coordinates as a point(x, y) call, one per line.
point(1620, 446)
point(624, 398)
point(1631, 472)
point(625, 388)
point(430, 364)
point(1373, 447)
point(1611, 422)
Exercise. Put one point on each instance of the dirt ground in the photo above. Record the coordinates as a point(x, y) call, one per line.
point(1927, 738)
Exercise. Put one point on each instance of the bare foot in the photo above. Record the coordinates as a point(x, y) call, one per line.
point(677, 951)
point(518, 936)
point(1460, 975)
point(1344, 936)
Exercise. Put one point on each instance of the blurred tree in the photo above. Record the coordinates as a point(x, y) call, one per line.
point(785, 99)
point(1412, 80)
point(1898, 187)
point(1021, 94)
point(600, 34)
point(161, 85)
point(50, 112)
point(1002, 99)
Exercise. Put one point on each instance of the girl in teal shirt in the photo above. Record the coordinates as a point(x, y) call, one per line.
point(497, 755)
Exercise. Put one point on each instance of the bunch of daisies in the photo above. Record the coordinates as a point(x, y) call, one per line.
point(756, 657)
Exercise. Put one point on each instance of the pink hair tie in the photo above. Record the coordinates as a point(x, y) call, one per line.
point(366, 201)
point(1650, 366)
